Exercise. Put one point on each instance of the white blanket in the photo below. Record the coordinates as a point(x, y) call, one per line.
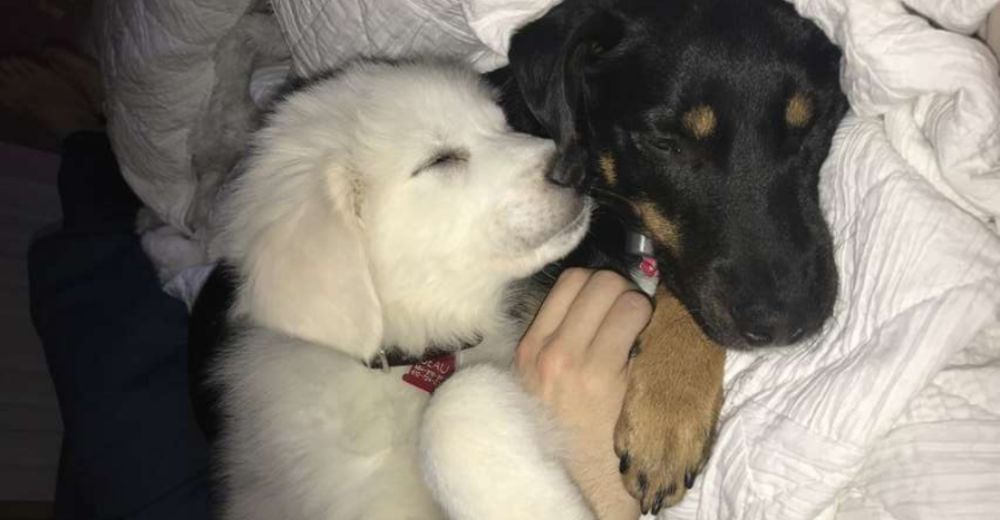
point(156, 59)
point(894, 411)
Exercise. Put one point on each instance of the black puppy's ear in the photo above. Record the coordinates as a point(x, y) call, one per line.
point(549, 59)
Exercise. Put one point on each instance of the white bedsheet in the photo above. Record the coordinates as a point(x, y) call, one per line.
point(894, 411)
point(156, 59)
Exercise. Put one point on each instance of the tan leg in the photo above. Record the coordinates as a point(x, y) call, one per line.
point(665, 432)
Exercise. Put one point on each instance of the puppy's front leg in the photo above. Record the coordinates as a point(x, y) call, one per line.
point(667, 425)
point(488, 452)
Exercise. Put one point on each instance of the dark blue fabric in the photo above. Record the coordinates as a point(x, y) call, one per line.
point(116, 347)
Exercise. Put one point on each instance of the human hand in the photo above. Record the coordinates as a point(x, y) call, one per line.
point(574, 358)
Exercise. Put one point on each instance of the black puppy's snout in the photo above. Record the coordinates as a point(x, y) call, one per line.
point(761, 324)
point(764, 308)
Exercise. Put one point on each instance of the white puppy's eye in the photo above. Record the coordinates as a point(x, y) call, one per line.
point(443, 158)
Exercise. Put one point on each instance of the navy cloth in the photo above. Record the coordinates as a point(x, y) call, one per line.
point(116, 347)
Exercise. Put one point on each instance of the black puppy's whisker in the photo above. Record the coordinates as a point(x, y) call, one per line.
point(616, 206)
point(612, 200)
point(834, 322)
point(550, 272)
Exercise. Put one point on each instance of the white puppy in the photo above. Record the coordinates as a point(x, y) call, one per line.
point(384, 211)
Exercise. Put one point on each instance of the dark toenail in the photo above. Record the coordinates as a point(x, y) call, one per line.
point(658, 503)
point(624, 463)
point(643, 484)
point(688, 480)
point(671, 489)
point(635, 350)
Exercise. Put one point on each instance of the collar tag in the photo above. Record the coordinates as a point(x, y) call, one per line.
point(430, 374)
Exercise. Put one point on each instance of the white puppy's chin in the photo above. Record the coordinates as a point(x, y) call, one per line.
point(558, 244)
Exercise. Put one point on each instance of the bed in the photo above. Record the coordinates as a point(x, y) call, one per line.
point(892, 412)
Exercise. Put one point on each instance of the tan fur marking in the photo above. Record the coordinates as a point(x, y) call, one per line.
point(672, 403)
point(607, 163)
point(664, 231)
point(799, 111)
point(700, 121)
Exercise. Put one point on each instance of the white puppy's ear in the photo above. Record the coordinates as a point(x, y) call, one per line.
point(306, 269)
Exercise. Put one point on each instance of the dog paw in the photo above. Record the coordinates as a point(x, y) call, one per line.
point(666, 428)
point(662, 448)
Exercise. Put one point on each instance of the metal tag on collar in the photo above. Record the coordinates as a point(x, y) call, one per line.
point(638, 244)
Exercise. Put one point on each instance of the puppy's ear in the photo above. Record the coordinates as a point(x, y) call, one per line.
point(549, 59)
point(298, 241)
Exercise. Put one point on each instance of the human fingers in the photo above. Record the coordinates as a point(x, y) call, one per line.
point(588, 311)
point(608, 353)
point(551, 314)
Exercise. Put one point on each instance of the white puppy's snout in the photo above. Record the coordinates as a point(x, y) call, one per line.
point(554, 169)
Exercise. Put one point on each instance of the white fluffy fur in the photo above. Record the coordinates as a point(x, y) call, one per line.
point(490, 453)
point(348, 238)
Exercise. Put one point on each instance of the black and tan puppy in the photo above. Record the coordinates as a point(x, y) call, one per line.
point(712, 119)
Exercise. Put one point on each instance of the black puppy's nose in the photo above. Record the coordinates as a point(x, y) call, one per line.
point(567, 170)
point(757, 337)
point(765, 303)
point(760, 324)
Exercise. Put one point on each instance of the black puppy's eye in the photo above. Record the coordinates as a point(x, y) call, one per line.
point(605, 37)
point(442, 159)
point(669, 144)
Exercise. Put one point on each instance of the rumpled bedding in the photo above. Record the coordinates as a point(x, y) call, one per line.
point(894, 410)
point(156, 59)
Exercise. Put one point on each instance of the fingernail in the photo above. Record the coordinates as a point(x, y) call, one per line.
point(688, 480)
point(650, 299)
point(624, 463)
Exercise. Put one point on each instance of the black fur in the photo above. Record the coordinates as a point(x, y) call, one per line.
point(754, 263)
point(209, 332)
